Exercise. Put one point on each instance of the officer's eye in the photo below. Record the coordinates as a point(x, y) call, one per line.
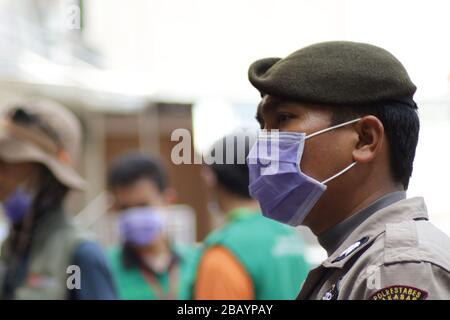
point(282, 118)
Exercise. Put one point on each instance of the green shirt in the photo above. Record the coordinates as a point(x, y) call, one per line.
point(132, 285)
point(271, 253)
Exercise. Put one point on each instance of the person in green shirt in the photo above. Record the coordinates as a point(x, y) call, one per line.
point(146, 266)
point(250, 257)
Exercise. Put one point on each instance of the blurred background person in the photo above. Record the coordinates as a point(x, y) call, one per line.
point(250, 257)
point(39, 146)
point(146, 265)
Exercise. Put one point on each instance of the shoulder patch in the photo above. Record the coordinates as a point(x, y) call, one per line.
point(399, 292)
point(350, 249)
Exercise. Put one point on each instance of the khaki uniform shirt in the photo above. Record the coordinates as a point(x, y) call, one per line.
point(394, 254)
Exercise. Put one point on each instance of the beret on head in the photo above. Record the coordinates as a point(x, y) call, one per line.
point(335, 73)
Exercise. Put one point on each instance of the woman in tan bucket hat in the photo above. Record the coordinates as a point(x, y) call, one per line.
point(46, 256)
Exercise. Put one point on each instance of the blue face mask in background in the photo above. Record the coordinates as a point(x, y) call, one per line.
point(140, 226)
point(284, 192)
point(18, 205)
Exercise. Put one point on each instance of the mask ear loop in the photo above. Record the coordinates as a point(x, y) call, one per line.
point(339, 173)
point(332, 128)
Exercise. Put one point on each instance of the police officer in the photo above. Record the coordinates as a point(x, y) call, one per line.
point(348, 130)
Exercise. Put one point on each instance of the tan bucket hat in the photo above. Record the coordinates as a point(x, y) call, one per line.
point(42, 131)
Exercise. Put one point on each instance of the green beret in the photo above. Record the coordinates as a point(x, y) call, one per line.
point(335, 73)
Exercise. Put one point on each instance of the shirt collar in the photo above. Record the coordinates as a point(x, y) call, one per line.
point(131, 260)
point(331, 239)
point(372, 227)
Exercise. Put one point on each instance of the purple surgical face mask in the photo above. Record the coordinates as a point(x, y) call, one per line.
point(18, 205)
point(140, 226)
point(284, 192)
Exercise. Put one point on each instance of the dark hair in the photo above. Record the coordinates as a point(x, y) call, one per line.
point(401, 125)
point(51, 193)
point(233, 177)
point(131, 167)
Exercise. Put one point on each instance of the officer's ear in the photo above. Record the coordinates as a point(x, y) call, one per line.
point(370, 132)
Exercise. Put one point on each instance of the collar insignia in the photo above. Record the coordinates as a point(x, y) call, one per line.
point(350, 249)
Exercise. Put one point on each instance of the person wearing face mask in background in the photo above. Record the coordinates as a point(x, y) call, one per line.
point(250, 257)
point(39, 147)
point(340, 164)
point(146, 265)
